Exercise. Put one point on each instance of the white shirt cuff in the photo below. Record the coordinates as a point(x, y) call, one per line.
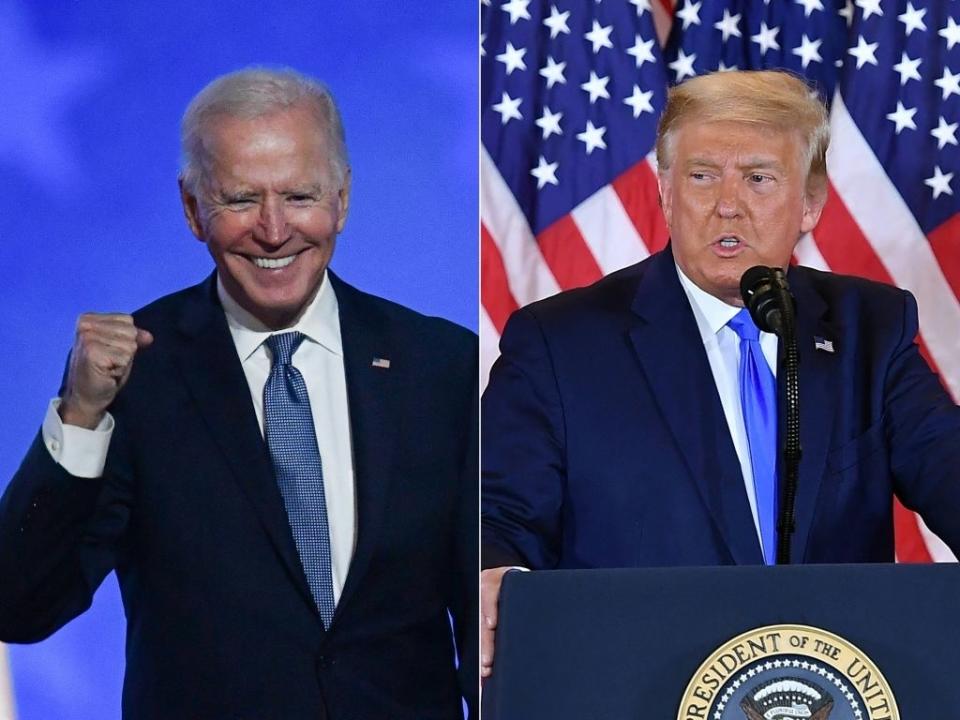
point(79, 451)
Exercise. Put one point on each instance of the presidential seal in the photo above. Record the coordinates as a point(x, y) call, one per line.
point(788, 672)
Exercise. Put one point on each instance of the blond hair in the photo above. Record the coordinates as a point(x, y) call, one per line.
point(766, 98)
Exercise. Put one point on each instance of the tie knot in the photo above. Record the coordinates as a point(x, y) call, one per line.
point(283, 346)
point(742, 324)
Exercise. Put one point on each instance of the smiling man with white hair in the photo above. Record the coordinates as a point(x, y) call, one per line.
point(280, 468)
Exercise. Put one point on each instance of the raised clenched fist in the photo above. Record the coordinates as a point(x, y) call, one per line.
point(100, 364)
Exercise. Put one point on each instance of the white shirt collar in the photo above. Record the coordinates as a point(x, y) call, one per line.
point(319, 322)
point(711, 313)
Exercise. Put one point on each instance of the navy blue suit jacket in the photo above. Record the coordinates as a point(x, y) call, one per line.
point(220, 621)
point(605, 443)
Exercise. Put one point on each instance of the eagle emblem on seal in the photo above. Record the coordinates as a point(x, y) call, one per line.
point(787, 698)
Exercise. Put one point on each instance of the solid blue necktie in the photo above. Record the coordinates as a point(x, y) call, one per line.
point(758, 400)
point(292, 441)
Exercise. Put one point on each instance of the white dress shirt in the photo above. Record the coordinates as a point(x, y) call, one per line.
point(319, 358)
point(723, 353)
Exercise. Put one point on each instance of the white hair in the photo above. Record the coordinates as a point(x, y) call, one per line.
point(251, 93)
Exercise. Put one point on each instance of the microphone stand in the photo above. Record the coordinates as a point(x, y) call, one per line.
point(786, 523)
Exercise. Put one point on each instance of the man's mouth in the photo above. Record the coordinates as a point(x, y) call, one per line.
point(729, 241)
point(728, 246)
point(272, 263)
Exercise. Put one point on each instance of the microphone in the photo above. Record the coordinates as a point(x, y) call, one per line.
point(766, 293)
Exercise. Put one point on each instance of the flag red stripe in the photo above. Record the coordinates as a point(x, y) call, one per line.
point(945, 242)
point(640, 197)
point(911, 547)
point(498, 301)
point(567, 255)
point(843, 245)
point(662, 12)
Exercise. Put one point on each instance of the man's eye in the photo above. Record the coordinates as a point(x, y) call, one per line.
point(301, 198)
point(759, 178)
point(239, 201)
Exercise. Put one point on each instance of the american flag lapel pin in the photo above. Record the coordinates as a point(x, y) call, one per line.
point(823, 344)
point(379, 362)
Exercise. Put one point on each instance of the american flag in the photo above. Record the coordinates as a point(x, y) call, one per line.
point(570, 94)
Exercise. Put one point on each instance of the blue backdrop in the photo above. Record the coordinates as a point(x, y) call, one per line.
point(90, 217)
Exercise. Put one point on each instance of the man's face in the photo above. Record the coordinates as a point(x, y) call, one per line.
point(269, 211)
point(735, 196)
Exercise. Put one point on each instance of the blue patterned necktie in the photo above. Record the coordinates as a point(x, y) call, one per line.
point(292, 441)
point(758, 400)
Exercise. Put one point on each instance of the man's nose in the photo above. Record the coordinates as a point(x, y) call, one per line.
point(729, 203)
point(273, 226)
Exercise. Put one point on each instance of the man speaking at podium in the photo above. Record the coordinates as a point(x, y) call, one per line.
point(635, 422)
point(281, 468)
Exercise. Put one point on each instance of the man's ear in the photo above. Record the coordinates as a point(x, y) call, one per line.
point(191, 210)
point(343, 200)
point(813, 201)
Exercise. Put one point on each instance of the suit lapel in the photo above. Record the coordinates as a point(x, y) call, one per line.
point(212, 371)
point(371, 393)
point(818, 377)
point(671, 353)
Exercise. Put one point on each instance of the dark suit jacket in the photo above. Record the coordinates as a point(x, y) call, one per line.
point(220, 621)
point(605, 443)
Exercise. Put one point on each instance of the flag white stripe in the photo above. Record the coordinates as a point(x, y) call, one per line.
point(807, 253)
point(886, 221)
point(652, 160)
point(937, 548)
point(608, 231)
point(489, 347)
point(7, 706)
point(528, 275)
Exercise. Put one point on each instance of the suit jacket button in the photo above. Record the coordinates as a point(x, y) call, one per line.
point(322, 662)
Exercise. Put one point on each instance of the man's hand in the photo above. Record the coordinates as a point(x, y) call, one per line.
point(489, 598)
point(100, 364)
